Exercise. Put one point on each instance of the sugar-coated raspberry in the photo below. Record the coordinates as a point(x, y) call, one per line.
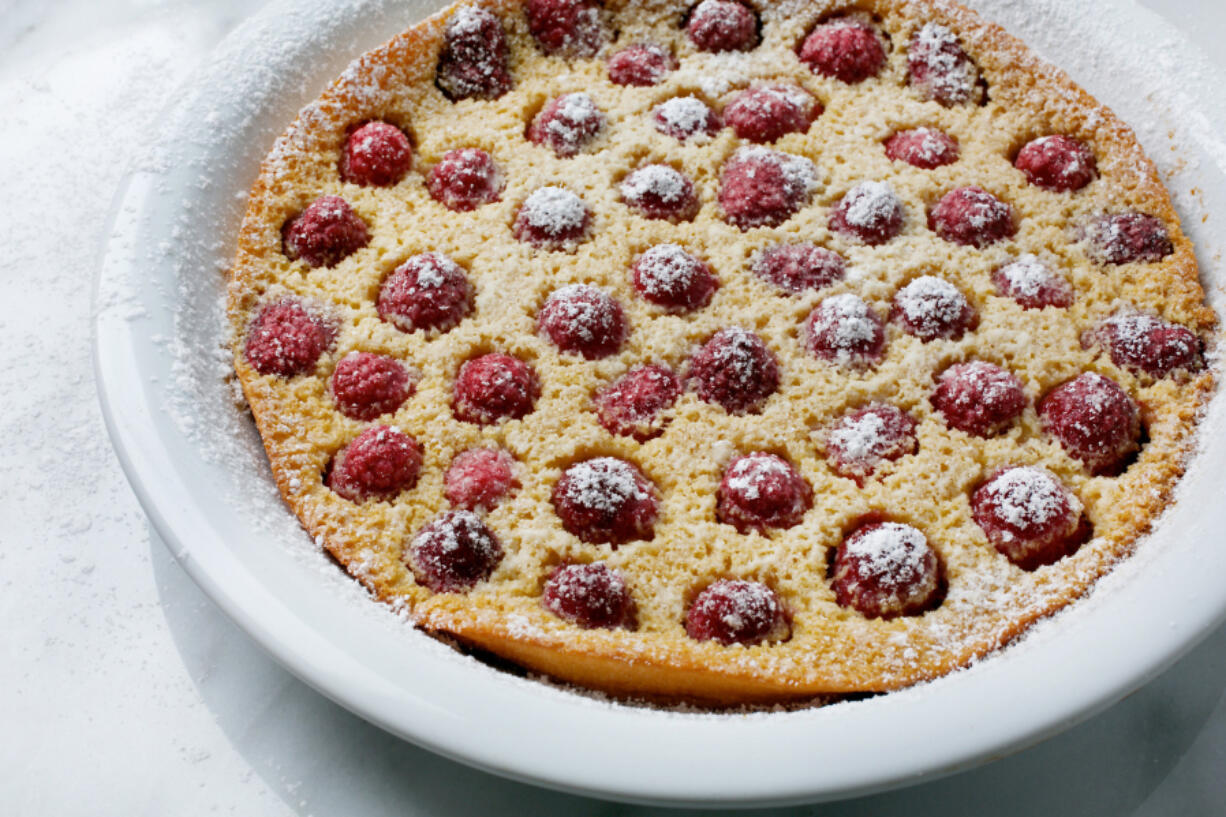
point(843, 48)
point(583, 320)
point(590, 595)
point(979, 398)
point(735, 611)
point(764, 113)
point(925, 148)
point(1123, 238)
point(940, 69)
point(668, 276)
point(1028, 516)
point(686, 117)
point(761, 491)
point(1058, 163)
point(327, 232)
point(870, 212)
point(1032, 283)
point(1094, 420)
point(932, 308)
point(798, 268)
point(552, 218)
point(660, 192)
point(722, 25)
point(428, 292)
point(885, 570)
point(567, 124)
point(495, 387)
point(474, 63)
point(606, 501)
point(454, 553)
point(465, 179)
point(972, 217)
point(860, 441)
point(376, 154)
point(1144, 344)
point(380, 463)
point(569, 28)
point(735, 370)
point(844, 330)
point(287, 339)
point(633, 405)
point(764, 188)
point(644, 64)
point(479, 478)
point(366, 385)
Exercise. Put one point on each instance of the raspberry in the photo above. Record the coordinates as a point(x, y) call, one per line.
point(972, 217)
point(978, 398)
point(569, 28)
point(465, 179)
point(845, 49)
point(885, 570)
point(606, 501)
point(932, 308)
point(583, 320)
point(643, 65)
point(845, 331)
point(722, 25)
point(668, 276)
point(864, 439)
point(940, 69)
point(552, 218)
point(479, 478)
point(285, 338)
point(764, 113)
point(660, 192)
point(1094, 420)
point(1146, 345)
point(567, 124)
point(474, 60)
point(454, 552)
point(380, 463)
point(925, 148)
point(427, 292)
point(376, 154)
point(764, 188)
point(365, 385)
point(1028, 516)
point(633, 404)
point(590, 595)
point(735, 370)
point(1032, 283)
point(797, 268)
point(325, 233)
point(684, 117)
point(734, 611)
point(870, 212)
point(761, 491)
point(1057, 163)
point(1127, 237)
point(495, 387)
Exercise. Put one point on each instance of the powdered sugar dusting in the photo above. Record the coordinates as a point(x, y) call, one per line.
point(666, 268)
point(1029, 497)
point(892, 554)
point(660, 181)
point(929, 300)
point(605, 484)
point(872, 205)
point(555, 210)
point(684, 118)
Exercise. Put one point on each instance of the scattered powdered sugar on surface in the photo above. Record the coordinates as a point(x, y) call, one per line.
point(686, 115)
point(577, 117)
point(1028, 496)
point(1028, 275)
point(931, 145)
point(661, 181)
point(862, 440)
point(583, 308)
point(666, 268)
point(849, 319)
point(554, 210)
point(950, 73)
point(799, 173)
point(892, 553)
point(746, 475)
point(739, 355)
point(872, 205)
point(931, 300)
point(605, 484)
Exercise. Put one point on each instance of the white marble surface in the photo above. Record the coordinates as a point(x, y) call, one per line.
point(124, 691)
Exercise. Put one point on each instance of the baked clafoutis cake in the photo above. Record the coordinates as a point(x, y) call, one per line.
point(721, 352)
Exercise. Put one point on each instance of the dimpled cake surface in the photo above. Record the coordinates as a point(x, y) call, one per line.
point(719, 352)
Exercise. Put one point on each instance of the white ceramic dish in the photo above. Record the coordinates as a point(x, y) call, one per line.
point(198, 469)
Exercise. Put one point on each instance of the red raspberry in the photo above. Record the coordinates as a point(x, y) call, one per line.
point(734, 611)
point(427, 292)
point(365, 385)
point(582, 320)
point(567, 124)
point(925, 148)
point(972, 217)
point(325, 233)
point(590, 595)
point(979, 398)
point(552, 218)
point(845, 49)
point(1028, 516)
point(474, 60)
point(797, 268)
point(380, 463)
point(454, 552)
point(870, 212)
point(479, 478)
point(764, 188)
point(1032, 283)
point(285, 338)
point(633, 404)
point(376, 154)
point(764, 113)
point(1057, 163)
point(722, 25)
point(465, 179)
point(684, 117)
point(886, 569)
point(1144, 344)
point(606, 501)
point(1094, 419)
point(940, 69)
point(495, 387)
point(761, 491)
point(845, 331)
point(569, 28)
point(1127, 237)
point(668, 276)
point(644, 64)
point(931, 308)
point(660, 192)
point(735, 370)
point(862, 440)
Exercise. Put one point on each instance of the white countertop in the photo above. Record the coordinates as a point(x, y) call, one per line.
point(123, 690)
